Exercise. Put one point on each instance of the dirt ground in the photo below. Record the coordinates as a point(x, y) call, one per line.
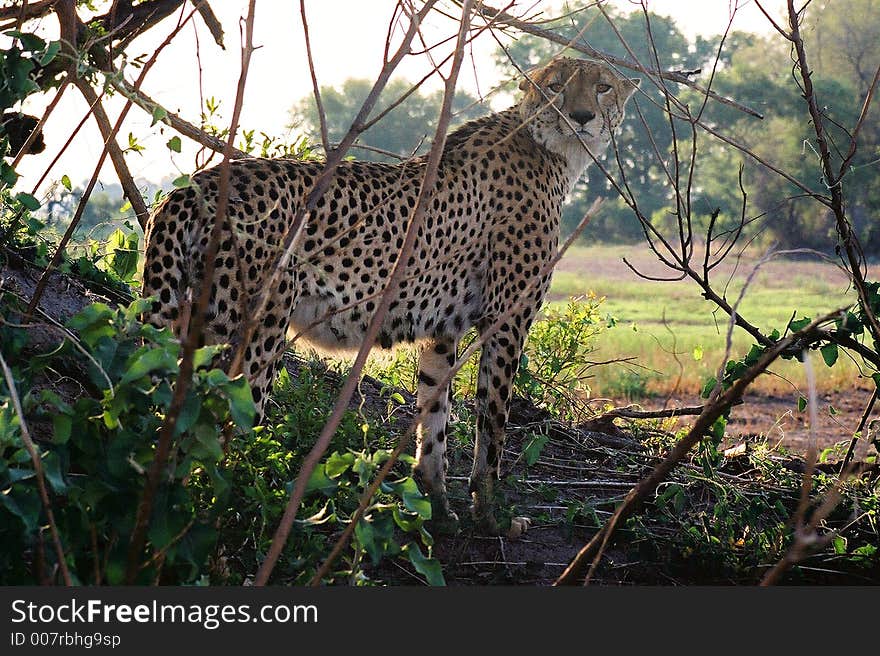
point(776, 419)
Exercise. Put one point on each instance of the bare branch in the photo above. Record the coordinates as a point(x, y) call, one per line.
point(128, 186)
point(416, 219)
point(673, 76)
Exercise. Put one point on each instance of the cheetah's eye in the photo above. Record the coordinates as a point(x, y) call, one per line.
point(603, 88)
point(556, 87)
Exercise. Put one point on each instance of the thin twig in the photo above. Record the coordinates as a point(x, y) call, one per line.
point(416, 219)
point(38, 471)
point(194, 332)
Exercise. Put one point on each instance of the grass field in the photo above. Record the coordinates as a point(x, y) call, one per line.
point(671, 331)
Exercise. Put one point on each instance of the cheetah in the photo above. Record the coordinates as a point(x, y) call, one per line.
point(491, 227)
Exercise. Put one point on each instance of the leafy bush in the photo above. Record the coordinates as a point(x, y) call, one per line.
point(263, 470)
point(100, 444)
point(213, 503)
point(555, 367)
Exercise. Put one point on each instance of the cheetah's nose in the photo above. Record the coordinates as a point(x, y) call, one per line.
point(582, 116)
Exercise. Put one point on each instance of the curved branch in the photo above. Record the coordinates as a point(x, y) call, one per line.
point(673, 76)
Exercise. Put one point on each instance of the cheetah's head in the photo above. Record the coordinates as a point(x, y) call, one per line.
point(571, 103)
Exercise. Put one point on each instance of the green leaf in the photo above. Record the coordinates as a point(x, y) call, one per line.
point(133, 144)
point(52, 471)
point(65, 180)
point(159, 114)
point(51, 51)
point(850, 324)
point(241, 402)
point(61, 428)
point(204, 356)
point(320, 482)
point(8, 174)
point(23, 502)
point(698, 353)
point(718, 427)
point(802, 403)
point(366, 537)
point(148, 361)
point(428, 567)
point(413, 499)
point(408, 523)
point(708, 387)
point(181, 182)
point(189, 412)
point(799, 324)
point(338, 464)
point(92, 323)
point(28, 201)
point(839, 545)
point(174, 144)
point(209, 438)
point(532, 450)
point(753, 355)
point(30, 42)
point(829, 354)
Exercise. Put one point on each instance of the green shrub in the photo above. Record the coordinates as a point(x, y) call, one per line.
point(101, 443)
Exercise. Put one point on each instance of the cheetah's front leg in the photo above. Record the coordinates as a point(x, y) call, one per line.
point(435, 361)
point(498, 365)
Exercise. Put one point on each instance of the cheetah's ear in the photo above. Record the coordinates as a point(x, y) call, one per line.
point(529, 78)
point(631, 86)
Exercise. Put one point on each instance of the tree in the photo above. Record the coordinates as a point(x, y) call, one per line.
point(758, 73)
point(403, 132)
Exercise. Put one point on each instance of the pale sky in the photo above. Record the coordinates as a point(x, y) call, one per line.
point(347, 38)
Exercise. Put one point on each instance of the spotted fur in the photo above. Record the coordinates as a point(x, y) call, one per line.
point(491, 226)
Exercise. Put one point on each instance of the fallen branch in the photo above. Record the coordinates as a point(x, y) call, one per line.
point(587, 559)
